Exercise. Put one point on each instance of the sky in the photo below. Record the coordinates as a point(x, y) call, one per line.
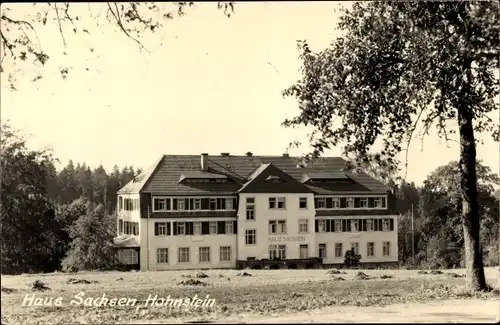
point(213, 85)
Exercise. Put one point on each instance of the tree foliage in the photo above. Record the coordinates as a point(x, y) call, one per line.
point(20, 26)
point(351, 259)
point(91, 247)
point(40, 205)
point(27, 216)
point(402, 68)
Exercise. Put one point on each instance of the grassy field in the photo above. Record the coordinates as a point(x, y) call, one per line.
point(265, 292)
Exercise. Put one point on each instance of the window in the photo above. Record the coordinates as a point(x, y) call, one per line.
point(250, 237)
point(370, 249)
point(338, 225)
point(322, 250)
point(120, 226)
point(225, 253)
point(160, 204)
point(383, 203)
point(354, 226)
point(213, 228)
point(229, 204)
point(197, 204)
point(350, 202)
point(183, 254)
point(212, 205)
point(196, 228)
point(369, 224)
point(321, 225)
point(304, 251)
point(321, 203)
point(385, 225)
point(181, 204)
point(363, 203)
point(281, 203)
point(250, 208)
point(277, 252)
point(282, 227)
point(336, 202)
point(338, 249)
point(120, 203)
point(161, 228)
point(128, 256)
point(386, 248)
point(229, 227)
point(277, 227)
point(162, 255)
point(355, 247)
point(377, 202)
point(303, 203)
point(303, 225)
point(277, 203)
point(181, 228)
point(204, 254)
point(272, 203)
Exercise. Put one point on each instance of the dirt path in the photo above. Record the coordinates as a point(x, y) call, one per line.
point(448, 311)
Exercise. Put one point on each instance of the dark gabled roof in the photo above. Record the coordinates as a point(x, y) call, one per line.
point(135, 185)
point(262, 181)
point(165, 175)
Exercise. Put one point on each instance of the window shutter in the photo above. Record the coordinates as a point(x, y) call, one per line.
point(343, 202)
point(391, 224)
point(364, 224)
point(332, 226)
point(348, 224)
point(205, 228)
point(380, 227)
point(204, 204)
point(371, 202)
point(169, 229)
point(174, 204)
point(189, 228)
point(344, 225)
point(221, 227)
point(235, 227)
point(156, 228)
point(375, 224)
point(316, 227)
point(174, 224)
point(328, 225)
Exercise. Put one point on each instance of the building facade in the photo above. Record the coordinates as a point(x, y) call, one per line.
point(224, 211)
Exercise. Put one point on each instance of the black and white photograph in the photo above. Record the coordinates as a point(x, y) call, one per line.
point(250, 162)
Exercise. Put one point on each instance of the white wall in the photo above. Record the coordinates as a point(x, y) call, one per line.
point(133, 216)
point(292, 214)
point(193, 242)
point(346, 238)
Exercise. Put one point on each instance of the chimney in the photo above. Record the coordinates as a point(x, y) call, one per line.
point(249, 154)
point(225, 154)
point(204, 161)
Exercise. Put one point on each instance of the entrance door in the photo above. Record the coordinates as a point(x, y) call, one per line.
point(304, 251)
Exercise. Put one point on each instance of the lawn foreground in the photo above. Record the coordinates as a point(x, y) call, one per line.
point(264, 294)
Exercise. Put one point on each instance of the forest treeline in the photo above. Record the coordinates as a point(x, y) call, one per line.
point(65, 220)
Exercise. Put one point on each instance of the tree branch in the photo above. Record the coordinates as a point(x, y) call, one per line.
point(59, 24)
point(120, 24)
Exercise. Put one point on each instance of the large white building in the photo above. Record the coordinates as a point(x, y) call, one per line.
point(224, 211)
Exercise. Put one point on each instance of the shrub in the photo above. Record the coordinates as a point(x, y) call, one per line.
point(351, 259)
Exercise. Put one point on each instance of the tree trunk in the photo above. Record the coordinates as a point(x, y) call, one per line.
point(475, 279)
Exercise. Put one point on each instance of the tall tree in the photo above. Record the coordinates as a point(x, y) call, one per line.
point(402, 66)
point(27, 217)
point(92, 236)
